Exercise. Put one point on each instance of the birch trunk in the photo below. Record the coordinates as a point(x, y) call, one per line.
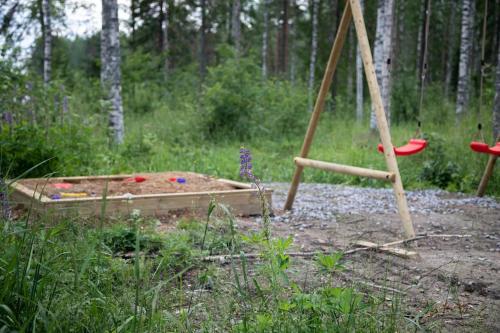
point(496, 104)
point(47, 41)
point(314, 48)
point(110, 70)
point(236, 26)
point(359, 81)
point(466, 44)
point(382, 55)
point(265, 39)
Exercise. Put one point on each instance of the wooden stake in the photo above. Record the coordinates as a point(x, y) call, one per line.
point(345, 169)
point(383, 127)
point(320, 101)
point(486, 176)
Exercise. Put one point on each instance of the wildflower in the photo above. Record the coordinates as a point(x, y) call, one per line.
point(246, 164)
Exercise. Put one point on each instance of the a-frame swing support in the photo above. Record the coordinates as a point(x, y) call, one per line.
point(352, 11)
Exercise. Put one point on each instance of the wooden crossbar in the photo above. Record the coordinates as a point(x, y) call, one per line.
point(345, 169)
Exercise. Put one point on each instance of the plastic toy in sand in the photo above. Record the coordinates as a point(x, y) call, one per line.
point(63, 186)
point(74, 195)
point(136, 179)
point(181, 180)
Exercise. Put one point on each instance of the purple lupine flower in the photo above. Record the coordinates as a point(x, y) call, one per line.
point(246, 163)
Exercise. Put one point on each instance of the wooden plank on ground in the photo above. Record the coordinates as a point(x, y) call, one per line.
point(386, 249)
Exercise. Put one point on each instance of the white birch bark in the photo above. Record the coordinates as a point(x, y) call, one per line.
point(466, 43)
point(110, 71)
point(359, 81)
point(496, 104)
point(314, 48)
point(382, 55)
point(236, 26)
point(47, 41)
point(265, 38)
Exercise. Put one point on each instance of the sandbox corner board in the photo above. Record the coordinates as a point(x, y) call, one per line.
point(242, 198)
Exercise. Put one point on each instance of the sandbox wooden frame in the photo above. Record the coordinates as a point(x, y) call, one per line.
point(243, 200)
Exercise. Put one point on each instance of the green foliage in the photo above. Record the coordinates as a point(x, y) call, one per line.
point(239, 106)
point(123, 239)
point(439, 169)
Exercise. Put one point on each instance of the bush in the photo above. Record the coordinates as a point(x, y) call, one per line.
point(240, 106)
point(64, 150)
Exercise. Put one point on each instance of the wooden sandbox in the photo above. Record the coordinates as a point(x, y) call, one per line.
point(154, 194)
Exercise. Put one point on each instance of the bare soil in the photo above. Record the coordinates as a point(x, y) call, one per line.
point(454, 285)
point(154, 183)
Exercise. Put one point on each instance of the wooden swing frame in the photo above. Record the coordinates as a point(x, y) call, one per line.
point(352, 11)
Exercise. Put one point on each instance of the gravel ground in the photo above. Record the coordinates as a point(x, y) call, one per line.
point(325, 201)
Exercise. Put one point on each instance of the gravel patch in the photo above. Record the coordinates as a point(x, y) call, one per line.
point(325, 201)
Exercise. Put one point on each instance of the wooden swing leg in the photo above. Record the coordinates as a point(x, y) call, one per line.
point(320, 101)
point(383, 127)
point(486, 176)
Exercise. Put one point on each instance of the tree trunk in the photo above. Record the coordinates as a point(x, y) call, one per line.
point(334, 14)
point(419, 38)
point(283, 47)
point(466, 44)
point(359, 81)
point(314, 48)
point(165, 9)
point(265, 39)
point(110, 70)
point(47, 41)
point(203, 42)
point(236, 26)
point(422, 63)
point(293, 42)
point(382, 55)
point(450, 50)
point(496, 105)
point(351, 67)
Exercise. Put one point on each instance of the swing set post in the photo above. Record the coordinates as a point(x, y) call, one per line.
point(487, 175)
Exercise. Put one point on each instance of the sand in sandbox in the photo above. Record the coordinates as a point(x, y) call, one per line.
point(154, 183)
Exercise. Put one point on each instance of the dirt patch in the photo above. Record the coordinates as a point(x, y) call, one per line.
point(146, 183)
point(453, 286)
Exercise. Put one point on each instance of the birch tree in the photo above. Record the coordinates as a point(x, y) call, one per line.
point(110, 69)
point(236, 26)
point(359, 80)
point(466, 44)
point(265, 38)
point(47, 41)
point(382, 55)
point(314, 49)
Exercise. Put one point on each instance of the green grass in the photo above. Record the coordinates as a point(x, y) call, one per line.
point(70, 277)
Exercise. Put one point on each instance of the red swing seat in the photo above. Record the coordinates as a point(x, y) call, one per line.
point(481, 147)
point(413, 146)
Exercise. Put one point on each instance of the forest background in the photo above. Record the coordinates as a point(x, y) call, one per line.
point(195, 79)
